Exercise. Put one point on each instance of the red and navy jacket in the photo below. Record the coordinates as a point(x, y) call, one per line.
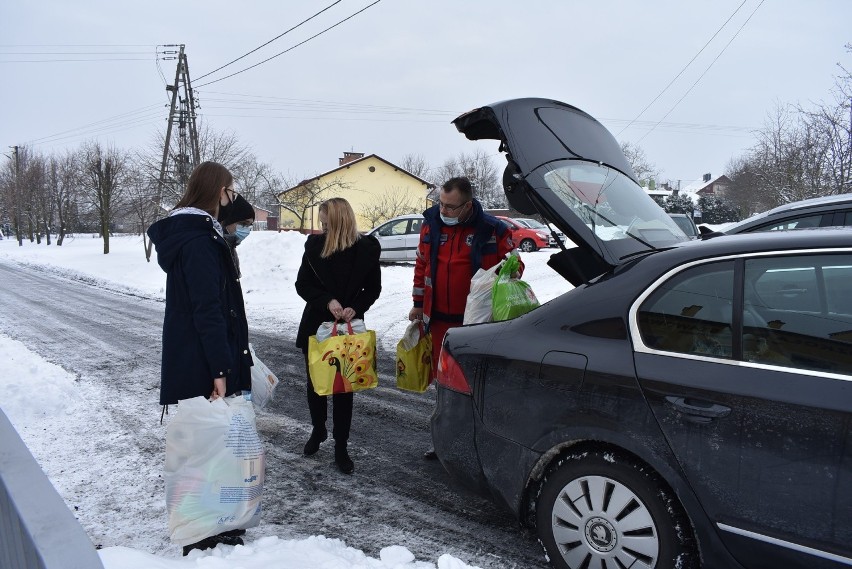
point(449, 255)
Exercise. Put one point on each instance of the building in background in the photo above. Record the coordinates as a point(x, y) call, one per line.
point(377, 189)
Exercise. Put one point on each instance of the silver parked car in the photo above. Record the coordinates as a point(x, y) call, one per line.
point(399, 237)
point(827, 211)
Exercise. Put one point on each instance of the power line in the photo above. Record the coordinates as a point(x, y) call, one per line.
point(70, 60)
point(12, 45)
point(270, 41)
point(76, 53)
point(705, 72)
point(292, 48)
point(123, 116)
point(642, 112)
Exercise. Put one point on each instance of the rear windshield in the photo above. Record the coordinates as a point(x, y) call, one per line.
point(611, 205)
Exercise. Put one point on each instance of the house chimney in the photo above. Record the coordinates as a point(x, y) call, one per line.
point(349, 157)
point(706, 177)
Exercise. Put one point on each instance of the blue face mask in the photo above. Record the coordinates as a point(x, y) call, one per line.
point(449, 220)
point(242, 231)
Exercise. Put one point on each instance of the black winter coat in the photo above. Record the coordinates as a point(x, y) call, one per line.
point(205, 333)
point(354, 278)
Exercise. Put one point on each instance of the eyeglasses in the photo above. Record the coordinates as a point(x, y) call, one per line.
point(449, 207)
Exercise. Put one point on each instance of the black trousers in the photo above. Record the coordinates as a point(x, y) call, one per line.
point(341, 410)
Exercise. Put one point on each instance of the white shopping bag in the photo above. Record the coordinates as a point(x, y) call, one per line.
point(215, 465)
point(263, 382)
point(478, 307)
point(326, 329)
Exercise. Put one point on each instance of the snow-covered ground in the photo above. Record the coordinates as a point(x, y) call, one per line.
point(269, 262)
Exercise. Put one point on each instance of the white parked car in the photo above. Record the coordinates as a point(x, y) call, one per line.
point(399, 237)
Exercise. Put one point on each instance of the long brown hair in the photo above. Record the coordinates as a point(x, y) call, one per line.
point(341, 227)
point(204, 187)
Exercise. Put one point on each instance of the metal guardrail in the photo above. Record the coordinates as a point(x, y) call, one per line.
point(37, 530)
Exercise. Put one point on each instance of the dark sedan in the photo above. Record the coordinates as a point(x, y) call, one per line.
point(687, 404)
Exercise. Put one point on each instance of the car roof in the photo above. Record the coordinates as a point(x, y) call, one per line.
point(812, 202)
point(811, 240)
point(397, 218)
point(820, 204)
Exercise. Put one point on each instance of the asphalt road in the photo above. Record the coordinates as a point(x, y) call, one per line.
point(395, 497)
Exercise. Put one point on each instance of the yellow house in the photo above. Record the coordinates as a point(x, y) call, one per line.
point(377, 190)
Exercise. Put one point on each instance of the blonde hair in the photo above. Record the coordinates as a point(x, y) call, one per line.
point(341, 227)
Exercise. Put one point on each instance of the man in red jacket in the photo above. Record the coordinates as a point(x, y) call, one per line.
point(457, 239)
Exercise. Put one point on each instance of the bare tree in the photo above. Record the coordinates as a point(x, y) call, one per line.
point(645, 171)
point(392, 203)
point(308, 194)
point(103, 172)
point(415, 164)
point(141, 207)
point(482, 172)
point(64, 169)
point(256, 181)
point(14, 203)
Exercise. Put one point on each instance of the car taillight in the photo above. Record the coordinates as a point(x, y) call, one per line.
point(450, 374)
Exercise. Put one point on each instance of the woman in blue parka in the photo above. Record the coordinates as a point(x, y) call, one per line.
point(205, 333)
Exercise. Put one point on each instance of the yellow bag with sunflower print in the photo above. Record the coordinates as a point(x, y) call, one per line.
point(414, 359)
point(344, 362)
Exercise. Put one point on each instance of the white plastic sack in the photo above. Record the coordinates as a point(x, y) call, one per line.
point(215, 467)
point(263, 382)
point(478, 307)
point(325, 330)
point(411, 336)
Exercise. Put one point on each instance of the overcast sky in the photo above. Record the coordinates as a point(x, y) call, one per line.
point(390, 79)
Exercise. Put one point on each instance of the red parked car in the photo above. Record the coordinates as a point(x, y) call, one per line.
point(526, 239)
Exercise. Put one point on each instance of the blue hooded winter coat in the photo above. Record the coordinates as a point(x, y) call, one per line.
point(205, 333)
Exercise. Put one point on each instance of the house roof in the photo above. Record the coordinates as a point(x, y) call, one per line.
point(696, 188)
point(348, 164)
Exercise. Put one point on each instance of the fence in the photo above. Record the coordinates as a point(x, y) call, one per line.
point(37, 530)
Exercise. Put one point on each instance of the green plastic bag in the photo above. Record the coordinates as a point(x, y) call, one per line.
point(511, 297)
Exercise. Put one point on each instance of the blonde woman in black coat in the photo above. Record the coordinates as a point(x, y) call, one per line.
point(339, 279)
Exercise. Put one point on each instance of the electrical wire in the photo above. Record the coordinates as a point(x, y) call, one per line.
point(688, 91)
point(666, 88)
point(123, 116)
point(291, 48)
point(270, 41)
point(70, 60)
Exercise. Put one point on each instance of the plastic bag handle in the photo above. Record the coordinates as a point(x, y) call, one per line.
point(337, 323)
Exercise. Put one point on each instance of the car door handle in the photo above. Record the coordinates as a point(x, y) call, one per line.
point(696, 410)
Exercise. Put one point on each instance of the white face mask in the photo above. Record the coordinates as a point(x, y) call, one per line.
point(449, 220)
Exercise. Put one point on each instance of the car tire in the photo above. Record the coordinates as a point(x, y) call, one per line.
point(594, 531)
point(527, 246)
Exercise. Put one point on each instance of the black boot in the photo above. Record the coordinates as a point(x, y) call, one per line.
point(313, 444)
point(213, 541)
point(341, 457)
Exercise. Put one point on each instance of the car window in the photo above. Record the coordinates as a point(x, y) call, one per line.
point(416, 224)
point(802, 312)
point(686, 225)
point(691, 313)
point(848, 221)
point(795, 223)
point(395, 228)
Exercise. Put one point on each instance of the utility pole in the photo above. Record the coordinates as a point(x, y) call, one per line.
point(16, 211)
point(181, 156)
